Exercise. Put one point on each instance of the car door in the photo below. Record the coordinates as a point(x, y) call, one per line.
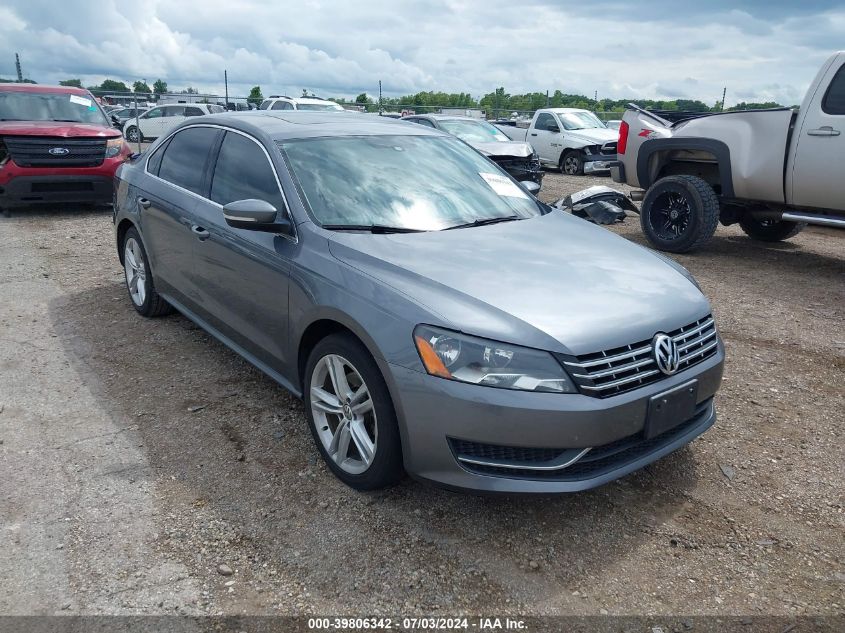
point(172, 116)
point(820, 147)
point(150, 122)
point(242, 275)
point(177, 175)
point(545, 138)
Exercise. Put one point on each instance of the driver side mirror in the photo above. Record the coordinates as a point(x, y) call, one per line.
point(115, 121)
point(553, 128)
point(532, 187)
point(255, 215)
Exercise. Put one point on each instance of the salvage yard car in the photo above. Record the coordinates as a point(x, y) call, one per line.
point(161, 119)
point(771, 171)
point(56, 146)
point(434, 317)
point(576, 141)
point(517, 158)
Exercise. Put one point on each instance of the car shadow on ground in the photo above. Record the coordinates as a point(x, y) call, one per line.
point(239, 479)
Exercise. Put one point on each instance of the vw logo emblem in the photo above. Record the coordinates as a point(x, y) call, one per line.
point(666, 354)
point(59, 151)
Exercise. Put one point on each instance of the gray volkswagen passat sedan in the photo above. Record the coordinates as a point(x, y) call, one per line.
point(434, 317)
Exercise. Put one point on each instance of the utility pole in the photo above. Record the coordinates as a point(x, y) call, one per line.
point(18, 68)
point(724, 92)
point(226, 84)
point(547, 98)
point(380, 109)
point(596, 96)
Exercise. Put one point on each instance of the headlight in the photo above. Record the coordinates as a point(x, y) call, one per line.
point(113, 147)
point(479, 361)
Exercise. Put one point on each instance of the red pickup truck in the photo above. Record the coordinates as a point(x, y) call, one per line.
point(56, 146)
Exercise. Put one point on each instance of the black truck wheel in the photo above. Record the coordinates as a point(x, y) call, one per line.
point(769, 230)
point(679, 213)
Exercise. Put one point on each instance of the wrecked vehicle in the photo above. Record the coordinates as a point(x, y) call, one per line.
point(599, 204)
point(771, 171)
point(517, 158)
point(576, 141)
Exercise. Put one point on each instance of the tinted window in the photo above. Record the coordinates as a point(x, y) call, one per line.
point(184, 159)
point(191, 111)
point(265, 104)
point(243, 172)
point(174, 111)
point(423, 122)
point(834, 100)
point(282, 105)
point(155, 160)
point(544, 121)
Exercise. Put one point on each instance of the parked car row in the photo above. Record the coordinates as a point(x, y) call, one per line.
point(161, 119)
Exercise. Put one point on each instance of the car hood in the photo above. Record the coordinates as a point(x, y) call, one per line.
point(510, 149)
point(56, 128)
point(595, 136)
point(553, 282)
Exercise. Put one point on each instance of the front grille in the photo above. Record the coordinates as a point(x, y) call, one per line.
point(520, 168)
point(609, 148)
point(34, 151)
point(61, 187)
point(614, 371)
point(593, 463)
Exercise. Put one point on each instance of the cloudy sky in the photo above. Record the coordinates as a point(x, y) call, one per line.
point(760, 50)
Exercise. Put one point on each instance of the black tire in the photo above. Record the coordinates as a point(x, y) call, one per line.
point(679, 213)
point(766, 230)
point(386, 467)
point(133, 131)
point(152, 304)
point(572, 163)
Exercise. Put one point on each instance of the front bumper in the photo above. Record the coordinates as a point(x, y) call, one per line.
point(25, 186)
point(598, 163)
point(437, 415)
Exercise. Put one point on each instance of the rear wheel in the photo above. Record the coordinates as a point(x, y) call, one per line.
point(351, 414)
point(679, 213)
point(572, 163)
point(769, 230)
point(139, 278)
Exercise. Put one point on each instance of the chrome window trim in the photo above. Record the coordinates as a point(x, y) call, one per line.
point(294, 238)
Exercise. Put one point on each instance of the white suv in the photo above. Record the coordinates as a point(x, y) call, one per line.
point(158, 121)
point(281, 102)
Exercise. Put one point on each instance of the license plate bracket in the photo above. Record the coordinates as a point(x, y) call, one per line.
point(668, 409)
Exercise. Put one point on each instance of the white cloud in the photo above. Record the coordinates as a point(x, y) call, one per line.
point(343, 48)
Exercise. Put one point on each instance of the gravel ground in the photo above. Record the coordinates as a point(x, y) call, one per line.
point(139, 456)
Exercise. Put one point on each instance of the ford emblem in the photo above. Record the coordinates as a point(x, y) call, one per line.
point(59, 151)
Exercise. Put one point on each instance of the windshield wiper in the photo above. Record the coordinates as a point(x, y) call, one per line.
point(372, 228)
point(482, 222)
point(67, 120)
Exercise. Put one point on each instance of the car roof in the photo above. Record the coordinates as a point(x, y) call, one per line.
point(24, 87)
point(564, 110)
point(282, 125)
point(445, 117)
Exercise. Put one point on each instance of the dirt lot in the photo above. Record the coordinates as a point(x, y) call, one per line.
point(137, 456)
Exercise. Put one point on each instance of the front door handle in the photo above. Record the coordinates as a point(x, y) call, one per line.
point(533, 133)
point(143, 202)
point(823, 131)
point(200, 232)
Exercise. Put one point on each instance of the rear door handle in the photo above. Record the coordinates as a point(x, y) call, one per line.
point(200, 232)
point(823, 131)
point(143, 202)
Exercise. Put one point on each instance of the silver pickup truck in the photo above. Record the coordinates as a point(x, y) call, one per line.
point(772, 171)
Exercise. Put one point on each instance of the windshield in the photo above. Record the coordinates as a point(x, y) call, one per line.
point(412, 182)
point(580, 121)
point(473, 131)
point(322, 107)
point(47, 106)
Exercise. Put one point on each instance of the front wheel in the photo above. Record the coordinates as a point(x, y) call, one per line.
point(769, 230)
point(679, 213)
point(572, 163)
point(133, 134)
point(351, 414)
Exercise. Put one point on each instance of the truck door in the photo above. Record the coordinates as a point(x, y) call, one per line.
point(543, 135)
point(817, 176)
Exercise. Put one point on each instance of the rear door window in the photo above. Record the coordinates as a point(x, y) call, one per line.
point(834, 99)
point(193, 111)
point(282, 105)
point(184, 158)
point(243, 171)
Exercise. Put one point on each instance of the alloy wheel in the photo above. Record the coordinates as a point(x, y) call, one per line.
point(132, 135)
point(571, 165)
point(136, 273)
point(670, 215)
point(343, 414)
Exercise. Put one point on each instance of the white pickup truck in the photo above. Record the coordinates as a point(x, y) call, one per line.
point(772, 171)
point(574, 140)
